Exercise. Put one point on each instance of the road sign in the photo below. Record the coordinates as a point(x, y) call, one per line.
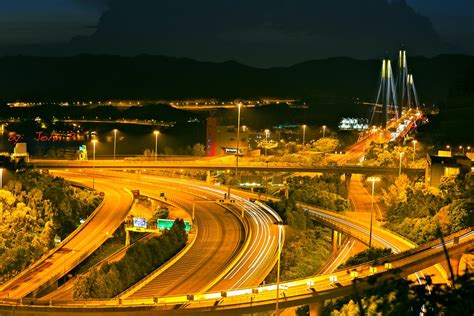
point(139, 222)
point(168, 223)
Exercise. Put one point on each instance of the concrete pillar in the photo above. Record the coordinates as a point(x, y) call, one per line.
point(455, 260)
point(287, 192)
point(208, 177)
point(316, 309)
point(334, 240)
point(347, 181)
point(127, 238)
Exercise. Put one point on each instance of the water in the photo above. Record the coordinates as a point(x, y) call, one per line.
point(131, 139)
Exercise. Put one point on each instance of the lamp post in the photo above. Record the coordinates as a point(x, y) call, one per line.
point(94, 141)
point(324, 131)
point(115, 141)
point(304, 134)
point(238, 141)
point(414, 149)
point(280, 227)
point(1, 177)
point(461, 148)
point(400, 165)
point(267, 132)
point(469, 149)
point(373, 180)
point(156, 144)
point(448, 148)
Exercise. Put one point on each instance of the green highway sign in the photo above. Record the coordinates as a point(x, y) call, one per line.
point(168, 223)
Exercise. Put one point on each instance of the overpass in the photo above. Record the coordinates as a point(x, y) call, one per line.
point(262, 298)
point(202, 164)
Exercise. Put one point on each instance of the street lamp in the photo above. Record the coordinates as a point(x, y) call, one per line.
point(238, 140)
point(115, 141)
point(469, 149)
point(267, 132)
point(373, 180)
point(400, 165)
point(324, 131)
point(156, 144)
point(304, 134)
point(461, 148)
point(1, 177)
point(414, 149)
point(94, 141)
point(280, 228)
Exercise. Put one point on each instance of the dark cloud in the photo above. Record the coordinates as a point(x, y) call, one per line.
point(97, 4)
point(263, 32)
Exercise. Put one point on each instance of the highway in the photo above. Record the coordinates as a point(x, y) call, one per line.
point(251, 300)
point(212, 260)
point(258, 257)
point(73, 250)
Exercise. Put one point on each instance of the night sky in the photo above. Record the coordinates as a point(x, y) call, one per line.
point(262, 33)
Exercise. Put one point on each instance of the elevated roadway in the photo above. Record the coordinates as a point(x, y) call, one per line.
point(217, 258)
point(251, 300)
point(78, 246)
point(203, 164)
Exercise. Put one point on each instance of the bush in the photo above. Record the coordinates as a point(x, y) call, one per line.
point(109, 280)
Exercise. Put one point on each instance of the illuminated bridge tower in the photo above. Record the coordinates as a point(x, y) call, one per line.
point(405, 85)
point(386, 105)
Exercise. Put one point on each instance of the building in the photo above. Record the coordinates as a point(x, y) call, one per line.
point(222, 140)
point(442, 166)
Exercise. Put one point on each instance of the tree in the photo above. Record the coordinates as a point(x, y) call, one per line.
point(199, 150)
point(326, 144)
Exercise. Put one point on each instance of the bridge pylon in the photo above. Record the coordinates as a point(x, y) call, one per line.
point(386, 103)
point(406, 91)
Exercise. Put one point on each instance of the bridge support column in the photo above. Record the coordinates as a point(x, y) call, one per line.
point(336, 240)
point(316, 309)
point(287, 192)
point(454, 261)
point(208, 176)
point(127, 238)
point(347, 181)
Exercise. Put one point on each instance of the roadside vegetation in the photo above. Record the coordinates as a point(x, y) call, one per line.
point(367, 255)
point(404, 297)
point(416, 210)
point(37, 209)
point(110, 279)
point(327, 192)
point(307, 246)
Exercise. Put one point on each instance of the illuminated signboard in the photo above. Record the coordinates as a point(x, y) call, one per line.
point(139, 222)
point(168, 223)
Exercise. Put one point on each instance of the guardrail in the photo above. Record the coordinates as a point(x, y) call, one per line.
point(295, 292)
point(55, 249)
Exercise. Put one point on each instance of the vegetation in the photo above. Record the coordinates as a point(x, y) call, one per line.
point(306, 247)
point(403, 297)
point(389, 156)
point(324, 191)
point(367, 255)
point(34, 209)
point(325, 145)
point(109, 280)
point(415, 210)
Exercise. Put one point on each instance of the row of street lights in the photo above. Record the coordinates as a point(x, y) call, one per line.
point(94, 142)
point(469, 149)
